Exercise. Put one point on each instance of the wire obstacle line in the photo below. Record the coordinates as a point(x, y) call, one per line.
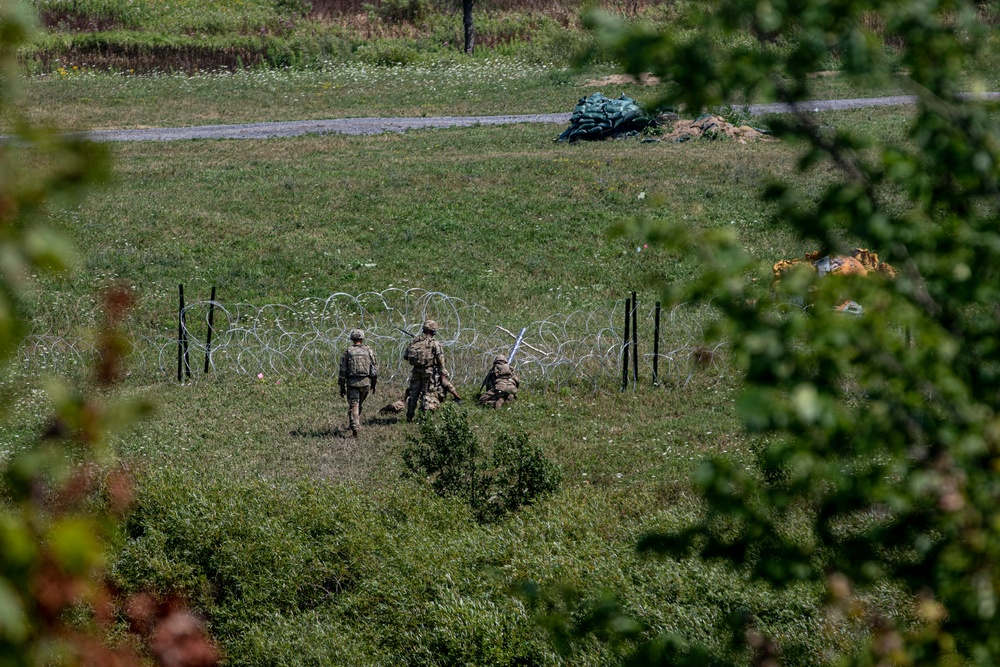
point(304, 339)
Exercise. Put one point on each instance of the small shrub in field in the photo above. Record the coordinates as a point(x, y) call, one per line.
point(397, 11)
point(520, 473)
point(448, 455)
point(737, 115)
point(387, 53)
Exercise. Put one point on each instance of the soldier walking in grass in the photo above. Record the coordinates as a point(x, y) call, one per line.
point(426, 356)
point(501, 384)
point(358, 374)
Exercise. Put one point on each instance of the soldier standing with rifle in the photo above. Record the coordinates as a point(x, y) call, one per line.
point(358, 372)
point(426, 356)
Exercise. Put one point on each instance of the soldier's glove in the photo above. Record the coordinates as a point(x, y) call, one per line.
point(374, 384)
point(343, 391)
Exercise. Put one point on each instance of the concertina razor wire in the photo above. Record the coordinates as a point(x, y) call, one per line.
point(306, 338)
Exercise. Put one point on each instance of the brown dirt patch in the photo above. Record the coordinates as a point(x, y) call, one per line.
point(622, 79)
point(709, 127)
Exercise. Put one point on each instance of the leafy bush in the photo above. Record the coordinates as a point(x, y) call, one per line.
point(319, 574)
point(520, 473)
point(887, 442)
point(237, 550)
point(737, 115)
point(397, 11)
point(387, 53)
point(61, 497)
point(448, 455)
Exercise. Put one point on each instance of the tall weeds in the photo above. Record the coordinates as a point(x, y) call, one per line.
point(178, 37)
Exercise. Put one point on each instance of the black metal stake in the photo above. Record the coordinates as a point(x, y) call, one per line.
point(187, 360)
point(635, 340)
point(180, 336)
point(656, 347)
point(625, 341)
point(208, 341)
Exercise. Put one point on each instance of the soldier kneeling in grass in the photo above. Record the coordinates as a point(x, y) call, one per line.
point(501, 384)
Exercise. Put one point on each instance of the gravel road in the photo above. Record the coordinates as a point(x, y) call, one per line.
point(379, 125)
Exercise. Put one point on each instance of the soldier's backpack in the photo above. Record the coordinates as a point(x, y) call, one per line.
point(420, 352)
point(358, 362)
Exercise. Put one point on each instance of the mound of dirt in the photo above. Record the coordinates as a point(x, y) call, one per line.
point(621, 79)
point(708, 126)
point(860, 262)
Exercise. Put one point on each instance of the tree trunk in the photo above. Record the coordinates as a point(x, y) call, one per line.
point(470, 28)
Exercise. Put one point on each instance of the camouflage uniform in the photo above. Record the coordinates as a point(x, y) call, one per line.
point(442, 388)
point(358, 373)
point(501, 383)
point(445, 387)
point(423, 384)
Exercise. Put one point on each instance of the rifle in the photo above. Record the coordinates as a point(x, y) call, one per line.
point(517, 344)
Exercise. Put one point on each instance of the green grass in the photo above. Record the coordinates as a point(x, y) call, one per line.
point(191, 36)
point(448, 88)
point(303, 547)
point(300, 546)
point(349, 563)
point(500, 216)
point(477, 87)
point(602, 440)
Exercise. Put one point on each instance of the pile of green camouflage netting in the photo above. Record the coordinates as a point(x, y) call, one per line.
point(599, 117)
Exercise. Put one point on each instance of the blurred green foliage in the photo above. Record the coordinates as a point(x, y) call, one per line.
point(61, 498)
point(888, 422)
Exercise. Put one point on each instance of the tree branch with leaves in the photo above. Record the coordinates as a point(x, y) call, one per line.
point(61, 498)
point(885, 428)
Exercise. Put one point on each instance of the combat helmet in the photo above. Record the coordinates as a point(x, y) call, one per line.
point(500, 359)
point(430, 326)
point(357, 334)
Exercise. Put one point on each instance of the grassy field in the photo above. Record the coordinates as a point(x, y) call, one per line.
point(303, 547)
point(500, 216)
point(98, 64)
point(306, 548)
point(184, 36)
point(447, 87)
point(473, 87)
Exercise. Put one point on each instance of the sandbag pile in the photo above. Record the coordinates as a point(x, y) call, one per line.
point(598, 117)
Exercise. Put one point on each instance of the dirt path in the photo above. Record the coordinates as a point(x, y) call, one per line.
point(379, 125)
point(333, 126)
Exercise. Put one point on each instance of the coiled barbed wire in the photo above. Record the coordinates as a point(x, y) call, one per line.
point(306, 338)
